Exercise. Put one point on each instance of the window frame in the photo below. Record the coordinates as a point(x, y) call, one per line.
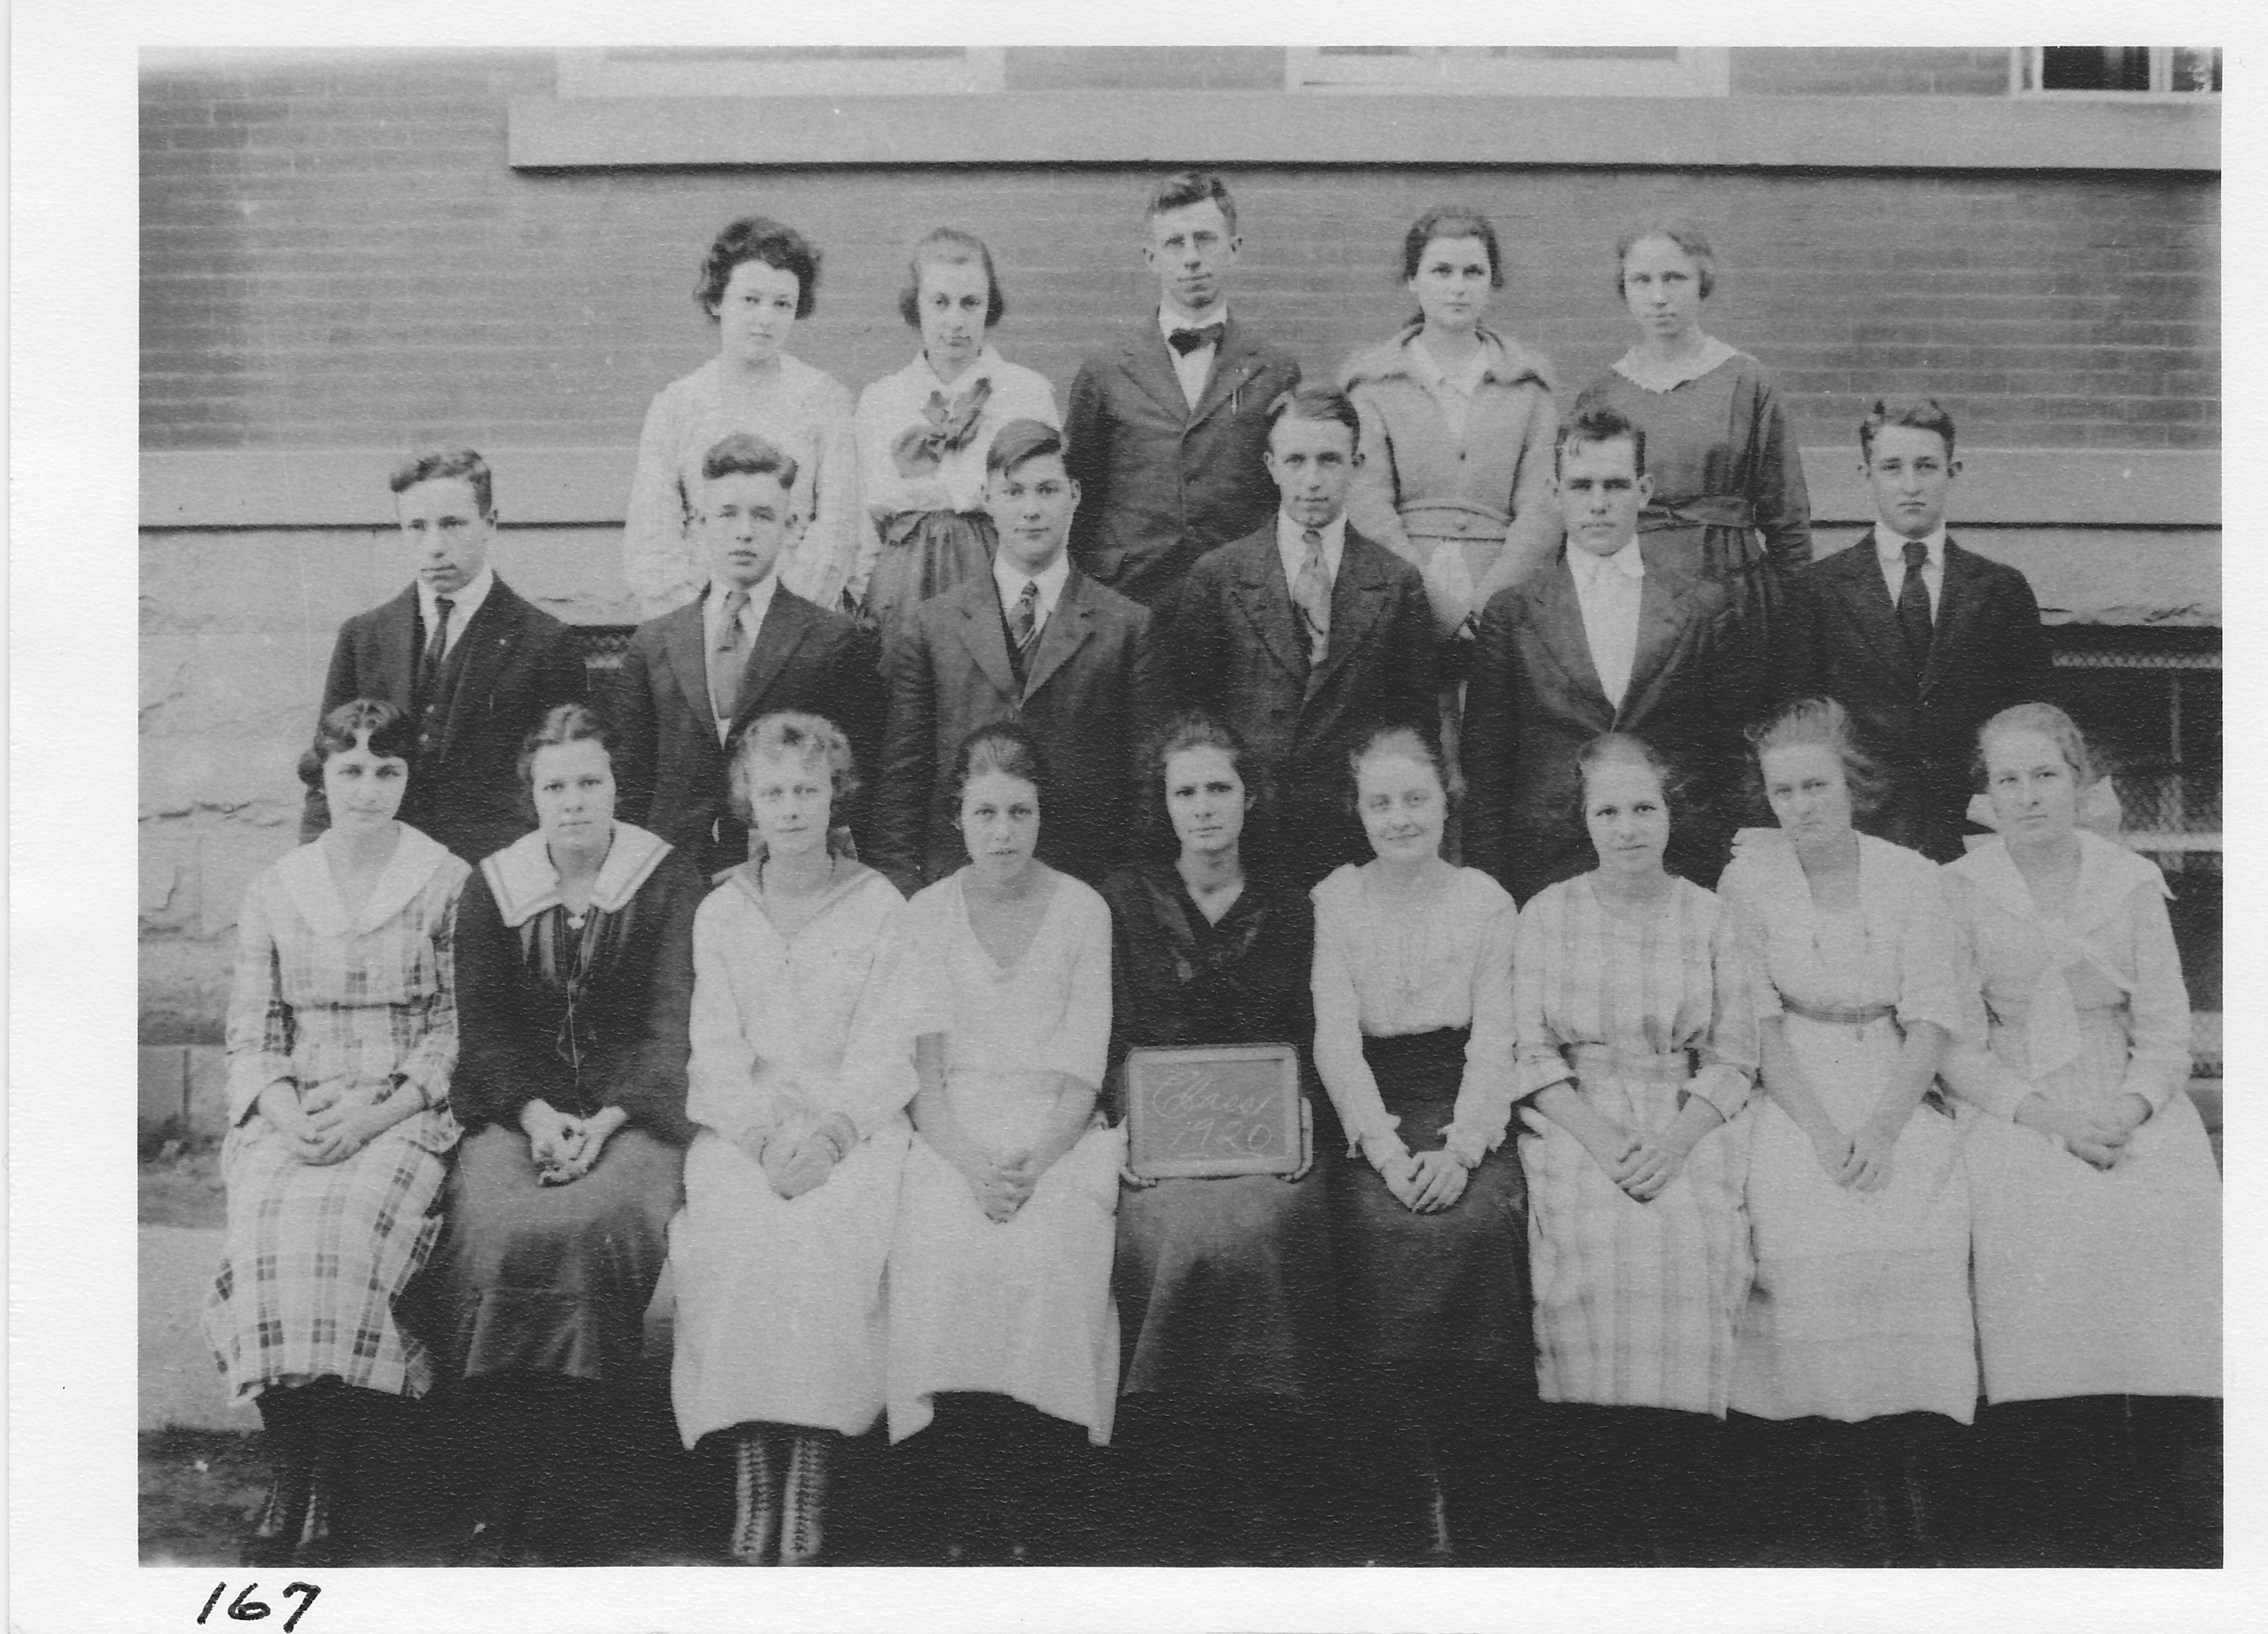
point(1695, 71)
point(2026, 66)
point(588, 72)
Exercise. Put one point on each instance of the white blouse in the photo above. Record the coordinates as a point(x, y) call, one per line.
point(1383, 969)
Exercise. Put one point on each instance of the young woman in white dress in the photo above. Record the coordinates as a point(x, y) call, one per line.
point(1857, 1197)
point(1637, 1053)
point(792, 1182)
point(2098, 1203)
point(1000, 1274)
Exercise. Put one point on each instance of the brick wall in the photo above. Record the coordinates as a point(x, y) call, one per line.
point(340, 257)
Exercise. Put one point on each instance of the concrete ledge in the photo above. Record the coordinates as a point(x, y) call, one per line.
point(590, 487)
point(1324, 127)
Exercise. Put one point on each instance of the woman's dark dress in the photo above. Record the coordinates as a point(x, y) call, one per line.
point(1224, 1285)
point(555, 1279)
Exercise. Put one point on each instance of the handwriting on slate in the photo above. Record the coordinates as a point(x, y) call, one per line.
point(244, 1609)
point(1205, 1112)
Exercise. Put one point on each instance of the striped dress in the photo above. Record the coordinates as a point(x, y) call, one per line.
point(315, 1256)
point(1635, 1302)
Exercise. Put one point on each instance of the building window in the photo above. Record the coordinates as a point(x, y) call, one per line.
point(1513, 70)
point(779, 70)
point(2117, 70)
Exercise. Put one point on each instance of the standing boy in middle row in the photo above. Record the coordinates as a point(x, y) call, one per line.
point(1303, 633)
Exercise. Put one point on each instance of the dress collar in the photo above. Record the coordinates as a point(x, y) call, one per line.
point(306, 876)
point(923, 379)
point(1640, 371)
point(1509, 362)
point(524, 882)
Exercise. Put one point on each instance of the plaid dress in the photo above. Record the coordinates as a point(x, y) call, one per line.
point(316, 1257)
point(1635, 1302)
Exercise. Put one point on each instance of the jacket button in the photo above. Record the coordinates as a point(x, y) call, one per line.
point(1460, 454)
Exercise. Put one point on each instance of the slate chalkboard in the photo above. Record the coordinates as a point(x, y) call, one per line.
point(1224, 1109)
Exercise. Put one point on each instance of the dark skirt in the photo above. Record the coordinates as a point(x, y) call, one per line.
point(554, 1280)
point(1226, 1285)
point(925, 554)
point(1446, 1288)
point(1735, 558)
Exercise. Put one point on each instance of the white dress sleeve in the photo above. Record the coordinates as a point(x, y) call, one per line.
point(1346, 1076)
point(656, 559)
point(1484, 1094)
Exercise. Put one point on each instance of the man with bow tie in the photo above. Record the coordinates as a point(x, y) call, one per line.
point(1168, 432)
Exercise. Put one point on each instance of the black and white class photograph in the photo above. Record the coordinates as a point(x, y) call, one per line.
point(1151, 805)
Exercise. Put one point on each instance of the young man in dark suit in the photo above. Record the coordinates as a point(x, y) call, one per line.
point(1301, 634)
point(1606, 638)
point(696, 678)
point(1166, 432)
point(1036, 640)
point(1921, 641)
point(474, 665)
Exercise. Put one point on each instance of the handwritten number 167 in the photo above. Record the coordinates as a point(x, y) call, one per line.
point(244, 1609)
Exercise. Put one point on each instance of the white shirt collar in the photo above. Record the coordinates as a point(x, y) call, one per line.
point(920, 374)
point(1011, 580)
point(524, 882)
point(1464, 381)
point(462, 605)
point(1169, 319)
point(1628, 562)
point(752, 617)
point(1291, 545)
point(1890, 548)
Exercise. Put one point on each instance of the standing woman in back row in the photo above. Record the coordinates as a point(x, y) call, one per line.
point(924, 430)
point(1729, 499)
point(759, 279)
point(1457, 425)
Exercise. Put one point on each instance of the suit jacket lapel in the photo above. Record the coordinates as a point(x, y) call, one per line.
point(1561, 631)
point(1262, 591)
point(1657, 640)
point(786, 622)
point(1956, 610)
point(982, 633)
point(1870, 603)
point(1234, 362)
point(397, 649)
point(1149, 363)
point(687, 638)
point(1060, 636)
point(488, 638)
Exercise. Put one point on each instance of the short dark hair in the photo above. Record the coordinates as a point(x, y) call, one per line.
point(1018, 441)
point(794, 731)
point(392, 734)
point(758, 237)
point(1687, 238)
point(1920, 414)
point(1599, 424)
point(1450, 221)
point(744, 454)
point(1822, 723)
point(1194, 729)
point(1323, 404)
point(564, 724)
point(440, 464)
point(1006, 746)
point(1417, 738)
point(1185, 187)
point(950, 247)
point(1627, 749)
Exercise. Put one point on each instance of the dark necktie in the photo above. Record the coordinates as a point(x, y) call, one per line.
point(437, 645)
point(1024, 623)
point(1914, 608)
point(729, 658)
point(1311, 592)
point(1187, 340)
